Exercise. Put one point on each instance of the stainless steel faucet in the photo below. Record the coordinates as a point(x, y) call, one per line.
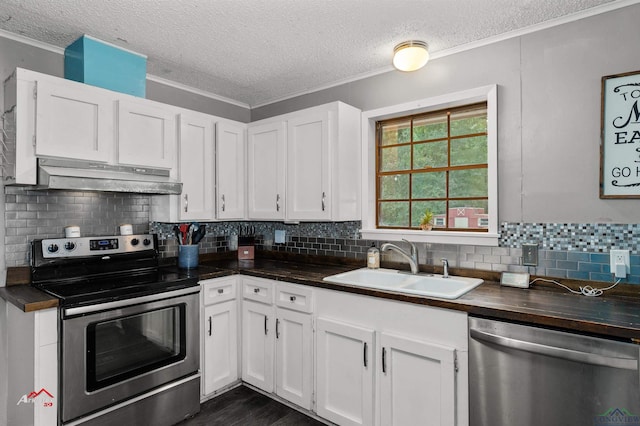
point(412, 257)
point(445, 267)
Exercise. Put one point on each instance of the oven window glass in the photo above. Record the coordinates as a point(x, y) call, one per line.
point(118, 349)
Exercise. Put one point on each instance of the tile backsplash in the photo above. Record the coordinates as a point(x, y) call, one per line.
point(31, 214)
point(576, 251)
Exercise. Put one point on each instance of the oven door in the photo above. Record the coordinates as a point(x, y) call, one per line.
point(117, 350)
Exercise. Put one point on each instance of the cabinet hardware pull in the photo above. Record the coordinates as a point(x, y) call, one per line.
point(256, 290)
point(277, 328)
point(323, 196)
point(186, 203)
point(220, 291)
point(210, 325)
point(277, 202)
point(365, 355)
point(384, 360)
point(292, 298)
point(223, 202)
point(265, 325)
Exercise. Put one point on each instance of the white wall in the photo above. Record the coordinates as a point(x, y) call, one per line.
point(549, 111)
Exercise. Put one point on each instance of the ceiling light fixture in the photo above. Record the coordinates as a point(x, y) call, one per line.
point(410, 55)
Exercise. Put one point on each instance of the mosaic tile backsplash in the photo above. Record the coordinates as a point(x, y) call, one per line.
point(566, 250)
point(574, 251)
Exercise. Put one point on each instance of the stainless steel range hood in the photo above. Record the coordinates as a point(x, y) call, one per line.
point(87, 176)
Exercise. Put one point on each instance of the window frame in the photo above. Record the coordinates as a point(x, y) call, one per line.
point(441, 115)
point(488, 94)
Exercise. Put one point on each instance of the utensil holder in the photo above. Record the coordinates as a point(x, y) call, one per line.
point(188, 256)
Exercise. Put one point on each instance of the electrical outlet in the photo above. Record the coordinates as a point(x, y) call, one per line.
point(617, 257)
point(530, 254)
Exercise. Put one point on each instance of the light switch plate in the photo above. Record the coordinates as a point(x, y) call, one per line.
point(279, 236)
point(515, 279)
point(530, 254)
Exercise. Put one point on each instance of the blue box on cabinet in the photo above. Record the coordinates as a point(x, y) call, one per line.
point(92, 61)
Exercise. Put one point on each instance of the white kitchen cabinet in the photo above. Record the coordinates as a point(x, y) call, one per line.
point(277, 340)
point(323, 163)
point(266, 171)
point(305, 165)
point(294, 343)
point(219, 331)
point(58, 118)
point(52, 117)
point(73, 122)
point(258, 344)
point(309, 195)
point(417, 381)
point(230, 170)
point(419, 357)
point(146, 133)
point(196, 164)
point(345, 372)
point(31, 351)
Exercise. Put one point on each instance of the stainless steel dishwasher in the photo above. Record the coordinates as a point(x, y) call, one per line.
point(529, 376)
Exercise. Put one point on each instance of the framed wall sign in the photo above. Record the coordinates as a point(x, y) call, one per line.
point(620, 143)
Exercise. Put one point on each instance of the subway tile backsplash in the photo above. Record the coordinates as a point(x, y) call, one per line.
point(31, 214)
point(576, 251)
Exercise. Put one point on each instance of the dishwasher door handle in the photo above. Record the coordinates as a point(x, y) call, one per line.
point(563, 353)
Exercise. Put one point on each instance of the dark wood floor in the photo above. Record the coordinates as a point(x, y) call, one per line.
point(246, 407)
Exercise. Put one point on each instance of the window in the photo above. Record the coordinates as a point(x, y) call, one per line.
point(418, 167)
point(435, 162)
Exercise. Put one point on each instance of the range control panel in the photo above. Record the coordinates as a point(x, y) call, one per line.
point(96, 246)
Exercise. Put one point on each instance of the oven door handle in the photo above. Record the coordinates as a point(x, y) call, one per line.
point(80, 310)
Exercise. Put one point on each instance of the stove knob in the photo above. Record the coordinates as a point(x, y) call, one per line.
point(135, 241)
point(146, 242)
point(69, 245)
point(52, 248)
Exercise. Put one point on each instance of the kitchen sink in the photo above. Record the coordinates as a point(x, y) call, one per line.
point(403, 282)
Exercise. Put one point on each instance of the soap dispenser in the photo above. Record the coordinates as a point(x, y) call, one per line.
point(373, 257)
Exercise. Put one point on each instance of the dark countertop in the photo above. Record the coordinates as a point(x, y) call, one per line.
point(615, 316)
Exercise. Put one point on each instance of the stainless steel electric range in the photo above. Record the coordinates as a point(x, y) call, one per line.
point(129, 346)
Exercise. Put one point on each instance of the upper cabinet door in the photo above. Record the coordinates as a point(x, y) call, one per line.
point(196, 167)
point(230, 170)
point(73, 122)
point(146, 133)
point(266, 171)
point(308, 184)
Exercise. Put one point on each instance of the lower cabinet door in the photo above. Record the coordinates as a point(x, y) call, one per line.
point(220, 346)
point(417, 382)
point(345, 371)
point(258, 344)
point(294, 342)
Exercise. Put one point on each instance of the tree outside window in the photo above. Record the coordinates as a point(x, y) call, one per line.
point(435, 161)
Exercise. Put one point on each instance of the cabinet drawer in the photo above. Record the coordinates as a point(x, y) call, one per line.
point(218, 290)
point(257, 289)
point(297, 298)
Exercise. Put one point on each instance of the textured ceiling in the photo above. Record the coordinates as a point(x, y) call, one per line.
point(259, 51)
